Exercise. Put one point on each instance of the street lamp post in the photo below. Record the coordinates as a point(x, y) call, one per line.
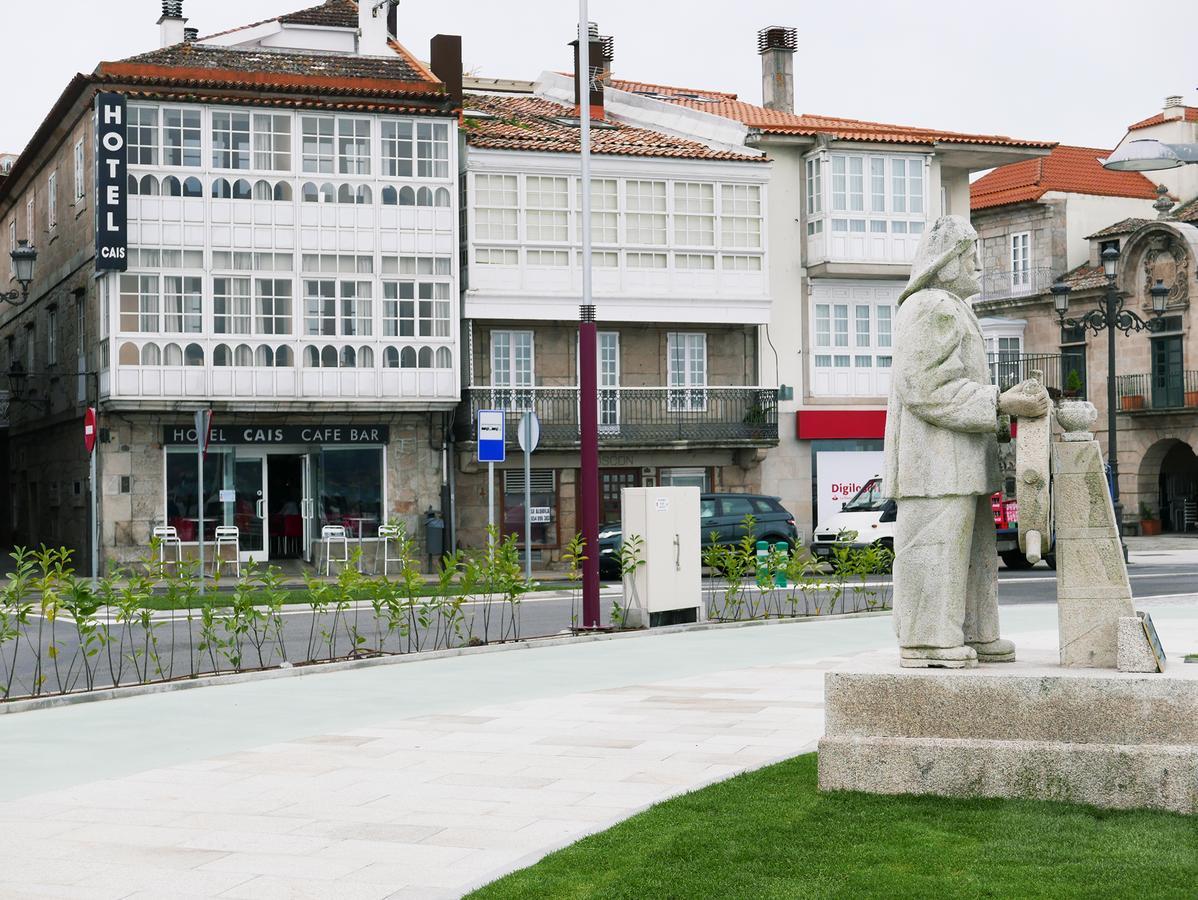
point(23, 257)
point(1111, 316)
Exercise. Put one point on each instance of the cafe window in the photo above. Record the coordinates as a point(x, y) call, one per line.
point(182, 476)
point(543, 496)
point(350, 481)
point(685, 476)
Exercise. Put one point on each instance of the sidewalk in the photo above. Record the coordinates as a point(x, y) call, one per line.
point(420, 780)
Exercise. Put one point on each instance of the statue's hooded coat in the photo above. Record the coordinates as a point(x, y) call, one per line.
point(942, 415)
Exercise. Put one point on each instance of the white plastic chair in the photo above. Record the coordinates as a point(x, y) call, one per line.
point(227, 536)
point(387, 534)
point(329, 535)
point(168, 537)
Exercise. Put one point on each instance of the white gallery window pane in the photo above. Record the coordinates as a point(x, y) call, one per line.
point(862, 315)
point(320, 307)
point(142, 135)
point(898, 170)
point(823, 362)
point(877, 181)
point(231, 305)
point(839, 184)
point(646, 260)
point(915, 186)
point(856, 184)
point(840, 316)
point(884, 326)
point(230, 140)
point(823, 325)
point(272, 142)
point(316, 144)
point(397, 149)
point(181, 137)
point(353, 146)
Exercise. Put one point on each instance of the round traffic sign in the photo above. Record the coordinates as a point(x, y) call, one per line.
point(529, 432)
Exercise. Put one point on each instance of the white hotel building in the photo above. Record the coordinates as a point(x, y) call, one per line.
point(291, 264)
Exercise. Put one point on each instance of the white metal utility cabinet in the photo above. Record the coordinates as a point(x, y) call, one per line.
point(667, 589)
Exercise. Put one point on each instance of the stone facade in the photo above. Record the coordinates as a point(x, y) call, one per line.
point(132, 471)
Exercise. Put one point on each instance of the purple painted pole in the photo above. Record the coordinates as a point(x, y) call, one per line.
point(588, 481)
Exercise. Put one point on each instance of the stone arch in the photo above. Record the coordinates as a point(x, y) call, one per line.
point(1161, 250)
point(1168, 475)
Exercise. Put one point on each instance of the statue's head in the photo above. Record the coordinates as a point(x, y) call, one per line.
point(947, 258)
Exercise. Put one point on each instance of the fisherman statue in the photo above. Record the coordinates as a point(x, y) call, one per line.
point(941, 459)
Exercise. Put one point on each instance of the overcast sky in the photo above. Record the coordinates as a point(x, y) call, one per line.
point(1075, 71)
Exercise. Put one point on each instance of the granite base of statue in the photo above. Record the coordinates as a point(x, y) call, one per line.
point(1100, 720)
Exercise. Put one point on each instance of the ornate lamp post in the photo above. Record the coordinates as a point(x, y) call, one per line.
point(1111, 316)
point(23, 258)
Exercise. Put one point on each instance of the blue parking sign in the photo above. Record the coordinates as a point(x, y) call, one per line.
point(490, 436)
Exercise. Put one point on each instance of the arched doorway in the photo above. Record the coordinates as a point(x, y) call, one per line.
point(1176, 480)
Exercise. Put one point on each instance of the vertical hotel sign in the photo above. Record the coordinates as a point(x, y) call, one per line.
point(111, 188)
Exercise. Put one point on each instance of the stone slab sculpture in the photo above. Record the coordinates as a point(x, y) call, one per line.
point(941, 459)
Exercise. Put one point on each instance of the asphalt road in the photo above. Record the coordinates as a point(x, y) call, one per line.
point(540, 614)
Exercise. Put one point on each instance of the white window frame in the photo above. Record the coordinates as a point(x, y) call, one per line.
point(184, 131)
point(80, 169)
point(1020, 246)
point(688, 384)
point(52, 336)
point(52, 201)
point(514, 391)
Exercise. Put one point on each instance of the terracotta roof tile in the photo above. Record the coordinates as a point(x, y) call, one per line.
point(775, 122)
point(531, 123)
point(200, 64)
point(331, 14)
point(1187, 212)
point(1126, 226)
point(1085, 278)
point(1189, 112)
point(1074, 170)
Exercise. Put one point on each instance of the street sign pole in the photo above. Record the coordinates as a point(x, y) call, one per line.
point(530, 436)
point(203, 420)
point(491, 449)
point(89, 442)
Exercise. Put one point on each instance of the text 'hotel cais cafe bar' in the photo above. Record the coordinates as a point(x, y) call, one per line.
point(263, 223)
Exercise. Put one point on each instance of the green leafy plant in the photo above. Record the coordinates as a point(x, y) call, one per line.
point(631, 558)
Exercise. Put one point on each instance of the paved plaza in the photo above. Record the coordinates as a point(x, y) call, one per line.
point(424, 779)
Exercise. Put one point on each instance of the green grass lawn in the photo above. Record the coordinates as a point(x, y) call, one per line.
point(772, 834)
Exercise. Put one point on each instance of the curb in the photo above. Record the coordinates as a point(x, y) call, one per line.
point(216, 680)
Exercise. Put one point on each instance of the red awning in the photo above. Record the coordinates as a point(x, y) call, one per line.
point(825, 424)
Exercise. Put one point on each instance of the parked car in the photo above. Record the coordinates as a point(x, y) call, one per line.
point(721, 520)
point(870, 517)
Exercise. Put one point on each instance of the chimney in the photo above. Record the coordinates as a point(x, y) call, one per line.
point(191, 35)
point(445, 59)
point(606, 54)
point(594, 70)
point(171, 22)
point(393, 19)
point(372, 27)
point(777, 45)
point(1174, 109)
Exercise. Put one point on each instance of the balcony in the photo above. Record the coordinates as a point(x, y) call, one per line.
point(1008, 369)
point(1010, 285)
point(1145, 393)
point(640, 417)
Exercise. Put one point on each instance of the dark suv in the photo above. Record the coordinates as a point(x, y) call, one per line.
point(721, 521)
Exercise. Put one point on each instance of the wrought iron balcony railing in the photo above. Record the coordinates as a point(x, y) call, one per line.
point(1003, 285)
point(1147, 393)
point(1008, 369)
point(638, 417)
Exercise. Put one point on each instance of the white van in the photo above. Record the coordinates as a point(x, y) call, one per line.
point(868, 518)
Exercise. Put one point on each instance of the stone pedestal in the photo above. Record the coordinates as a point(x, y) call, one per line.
point(1093, 592)
point(1029, 729)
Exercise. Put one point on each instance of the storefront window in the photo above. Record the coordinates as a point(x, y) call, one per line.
point(351, 489)
point(182, 475)
point(685, 477)
point(543, 506)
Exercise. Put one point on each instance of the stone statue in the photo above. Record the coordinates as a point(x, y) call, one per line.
point(941, 459)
